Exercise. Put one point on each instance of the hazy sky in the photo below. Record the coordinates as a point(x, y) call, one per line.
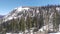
point(7, 5)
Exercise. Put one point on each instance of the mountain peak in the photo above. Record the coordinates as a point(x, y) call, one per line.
point(22, 8)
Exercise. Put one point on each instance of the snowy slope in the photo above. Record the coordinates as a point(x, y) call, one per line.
point(24, 11)
point(19, 11)
point(14, 13)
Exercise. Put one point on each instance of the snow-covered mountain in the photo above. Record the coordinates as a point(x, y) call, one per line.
point(15, 13)
point(46, 11)
point(32, 11)
point(18, 12)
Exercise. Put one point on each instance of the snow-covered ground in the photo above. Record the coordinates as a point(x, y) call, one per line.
point(18, 33)
point(54, 33)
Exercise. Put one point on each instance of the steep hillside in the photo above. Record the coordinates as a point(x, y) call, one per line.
point(35, 18)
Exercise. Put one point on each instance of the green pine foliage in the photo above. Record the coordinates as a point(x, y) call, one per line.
point(22, 24)
point(56, 21)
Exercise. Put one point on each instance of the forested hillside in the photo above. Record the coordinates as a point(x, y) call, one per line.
point(31, 18)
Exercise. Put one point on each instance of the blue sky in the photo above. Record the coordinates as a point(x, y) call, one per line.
point(7, 5)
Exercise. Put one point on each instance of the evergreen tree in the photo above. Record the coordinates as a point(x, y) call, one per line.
point(56, 21)
point(22, 24)
point(13, 25)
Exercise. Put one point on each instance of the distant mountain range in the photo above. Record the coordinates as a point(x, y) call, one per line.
point(1, 16)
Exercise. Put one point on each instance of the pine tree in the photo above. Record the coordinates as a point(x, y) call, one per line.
point(22, 24)
point(13, 25)
point(40, 21)
point(56, 21)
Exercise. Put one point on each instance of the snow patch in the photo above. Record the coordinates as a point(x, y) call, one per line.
point(57, 8)
point(43, 28)
point(54, 33)
point(20, 8)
